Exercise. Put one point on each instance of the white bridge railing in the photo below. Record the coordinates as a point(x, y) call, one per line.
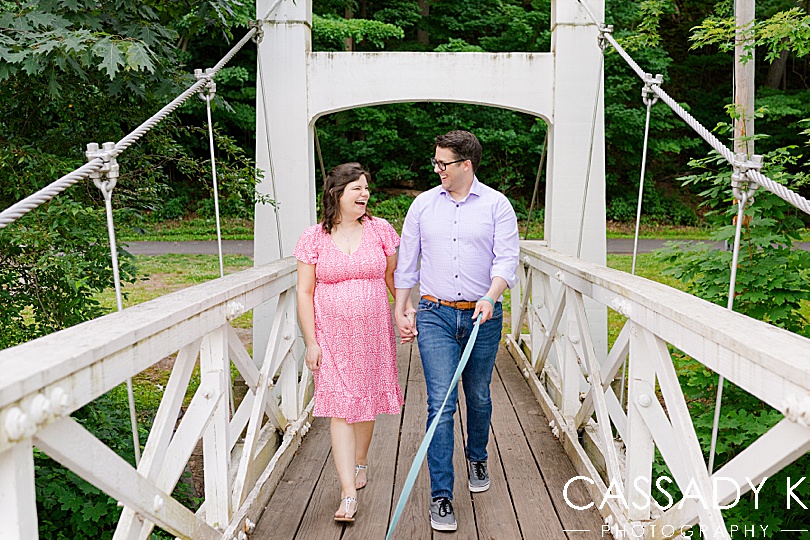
point(244, 451)
point(616, 447)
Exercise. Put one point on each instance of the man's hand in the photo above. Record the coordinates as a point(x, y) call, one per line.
point(406, 323)
point(484, 308)
point(313, 357)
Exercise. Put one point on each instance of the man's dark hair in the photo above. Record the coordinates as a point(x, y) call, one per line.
point(464, 145)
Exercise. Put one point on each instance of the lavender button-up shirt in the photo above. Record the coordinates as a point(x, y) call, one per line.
point(463, 244)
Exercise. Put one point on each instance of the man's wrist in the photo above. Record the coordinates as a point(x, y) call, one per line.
point(488, 299)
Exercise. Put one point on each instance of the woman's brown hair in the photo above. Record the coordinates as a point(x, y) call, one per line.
point(336, 181)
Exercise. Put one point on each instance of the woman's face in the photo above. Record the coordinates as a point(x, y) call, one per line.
point(354, 199)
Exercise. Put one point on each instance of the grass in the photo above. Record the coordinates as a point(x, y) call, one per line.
point(200, 229)
point(184, 230)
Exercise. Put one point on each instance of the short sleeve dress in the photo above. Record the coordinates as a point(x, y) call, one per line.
point(353, 326)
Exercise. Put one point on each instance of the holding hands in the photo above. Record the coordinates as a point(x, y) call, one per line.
point(406, 322)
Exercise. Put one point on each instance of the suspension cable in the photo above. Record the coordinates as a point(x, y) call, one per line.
point(590, 153)
point(276, 208)
point(109, 170)
point(536, 184)
point(207, 94)
point(735, 258)
point(22, 207)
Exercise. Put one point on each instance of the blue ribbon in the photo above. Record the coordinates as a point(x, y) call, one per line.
point(420, 454)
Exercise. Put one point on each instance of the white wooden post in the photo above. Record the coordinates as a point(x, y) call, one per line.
point(216, 447)
point(283, 88)
point(18, 504)
point(577, 86)
point(639, 441)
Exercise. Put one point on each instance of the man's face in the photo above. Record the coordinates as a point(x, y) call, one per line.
point(452, 177)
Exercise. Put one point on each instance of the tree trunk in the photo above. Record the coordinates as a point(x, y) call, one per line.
point(777, 70)
point(349, 41)
point(422, 36)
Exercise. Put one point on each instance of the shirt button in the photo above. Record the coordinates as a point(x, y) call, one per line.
point(455, 222)
point(456, 276)
point(456, 206)
point(454, 239)
point(459, 294)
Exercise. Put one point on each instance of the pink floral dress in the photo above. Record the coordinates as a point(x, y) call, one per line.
point(353, 326)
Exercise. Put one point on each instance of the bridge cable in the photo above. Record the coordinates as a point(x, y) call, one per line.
point(649, 99)
point(748, 173)
point(276, 207)
point(536, 184)
point(207, 94)
point(22, 207)
point(320, 155)
point(586, 188)
point(777, 189)
point(109, 170)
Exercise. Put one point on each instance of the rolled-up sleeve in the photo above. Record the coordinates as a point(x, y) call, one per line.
point(506, 247)
point(406, 275)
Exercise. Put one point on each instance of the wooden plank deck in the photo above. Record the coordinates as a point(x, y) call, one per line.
point(528, 468)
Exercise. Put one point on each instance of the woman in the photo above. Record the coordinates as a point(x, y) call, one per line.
point(346, 267)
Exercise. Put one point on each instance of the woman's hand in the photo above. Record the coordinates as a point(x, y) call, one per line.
point(313, 357)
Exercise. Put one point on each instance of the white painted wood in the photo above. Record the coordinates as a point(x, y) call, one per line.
point(686, 440)
point(577, 305)
point(67, 442)
point(266, 485)
point(216, 447)
point(736, 346)
point(614, 361)
point(550, 330)
point(570, 371)
point(639, 441)
point(71, 360)
point(18, 508)
point(525, 287)
point(288, 385)
point(161, 434)
point(340, 80)
point(263, 393)
point(779, 447)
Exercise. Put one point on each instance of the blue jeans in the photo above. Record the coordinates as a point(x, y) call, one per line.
point(443, 334)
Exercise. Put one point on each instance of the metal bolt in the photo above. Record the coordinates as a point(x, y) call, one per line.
point(157, 505)
point(60, 401)
point(17, 424)
point(287, 336)
point(40, 408)
point(207, 392)
point(574, 339)
point(644, 400)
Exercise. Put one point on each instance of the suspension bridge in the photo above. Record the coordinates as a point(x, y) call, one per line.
point(567, 438)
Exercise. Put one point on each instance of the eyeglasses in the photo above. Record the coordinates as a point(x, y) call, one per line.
point(442, 165)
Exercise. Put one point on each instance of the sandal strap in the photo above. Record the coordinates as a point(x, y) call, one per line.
point(358, 468)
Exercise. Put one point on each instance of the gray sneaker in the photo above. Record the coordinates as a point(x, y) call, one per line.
point(442, 517)
point(479, 476)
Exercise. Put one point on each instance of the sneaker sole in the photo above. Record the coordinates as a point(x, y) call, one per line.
point(478, 489)
point(443, 526)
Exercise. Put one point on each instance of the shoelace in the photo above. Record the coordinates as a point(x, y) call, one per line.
point(480, 469)
point(445, 507)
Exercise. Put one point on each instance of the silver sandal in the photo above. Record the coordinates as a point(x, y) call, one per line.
point(357, 469)
point(346, 517)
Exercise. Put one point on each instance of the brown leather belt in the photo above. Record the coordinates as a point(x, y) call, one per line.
point(461, 304)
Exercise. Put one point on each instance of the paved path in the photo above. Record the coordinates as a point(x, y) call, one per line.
point(245, 247)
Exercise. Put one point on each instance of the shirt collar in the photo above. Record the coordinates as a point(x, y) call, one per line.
point(475, 189)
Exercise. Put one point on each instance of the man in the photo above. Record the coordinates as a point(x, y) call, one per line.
point(467, 236)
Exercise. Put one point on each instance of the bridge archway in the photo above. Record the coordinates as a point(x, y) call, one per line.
point(563, 87)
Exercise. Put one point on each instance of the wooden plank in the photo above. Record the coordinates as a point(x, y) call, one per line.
point(532, 503)
point(494, 514)
point(374, 501)
point(462, 498)
point(414, 523)
point(18, 498)
point(319, 518)
point(288, 504)
point(554, 465)
point(70, 444)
